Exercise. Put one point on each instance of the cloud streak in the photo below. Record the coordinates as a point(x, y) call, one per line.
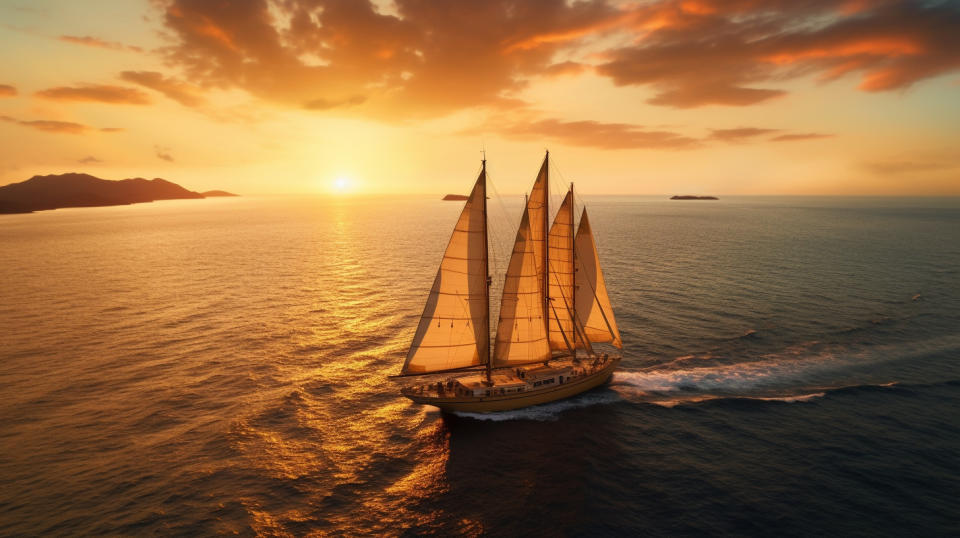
point(612, 136)
point(740, 134)
point(7, 90)
point(796, 137)
point(181, 92)
point(100, 93)
point(90, 41)
point(53, 126)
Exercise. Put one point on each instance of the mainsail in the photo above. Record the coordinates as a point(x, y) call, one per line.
point(537, 207)
point(521, 332)
point(593, 306)
point(560, 276)
point(454, 331)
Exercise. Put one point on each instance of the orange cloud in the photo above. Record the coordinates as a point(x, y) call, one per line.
point(433, 57)
point(183, 93)
point(7, 90)
point(97, 93)
point(428, 60)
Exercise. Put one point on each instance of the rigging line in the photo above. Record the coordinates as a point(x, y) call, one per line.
point(499, 233)
point(562, 333)
point(566, 305)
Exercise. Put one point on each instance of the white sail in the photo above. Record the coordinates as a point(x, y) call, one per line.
point(592, 303)
point(521, 331)
point(454, 331)
point(561, 331)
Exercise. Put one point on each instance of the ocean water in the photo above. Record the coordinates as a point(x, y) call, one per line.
point(220, 366)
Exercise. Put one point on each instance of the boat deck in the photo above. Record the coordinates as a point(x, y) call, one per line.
point(508, 381)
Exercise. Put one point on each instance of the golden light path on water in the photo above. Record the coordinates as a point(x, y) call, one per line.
point(360, 333)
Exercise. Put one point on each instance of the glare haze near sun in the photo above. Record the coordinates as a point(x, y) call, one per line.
point(853, 97)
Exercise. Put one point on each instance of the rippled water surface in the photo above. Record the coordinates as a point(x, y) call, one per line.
point(220, 366)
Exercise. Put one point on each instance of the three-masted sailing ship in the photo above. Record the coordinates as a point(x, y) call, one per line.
point(553, 313)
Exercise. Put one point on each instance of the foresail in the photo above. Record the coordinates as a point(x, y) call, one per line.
point(592, 303)
point(521, 331)
point(560, 276)
point(453, 330)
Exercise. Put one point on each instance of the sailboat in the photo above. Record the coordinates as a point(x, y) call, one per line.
point(554, 312)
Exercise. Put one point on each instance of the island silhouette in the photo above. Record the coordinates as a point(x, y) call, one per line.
point(691, 197)
point(55, 191)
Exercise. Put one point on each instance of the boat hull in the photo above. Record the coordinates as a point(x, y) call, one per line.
point(492, 404)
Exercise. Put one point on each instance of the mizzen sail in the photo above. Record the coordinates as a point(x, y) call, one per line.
point(592, 303)
point(454, 331)
point(521, 331)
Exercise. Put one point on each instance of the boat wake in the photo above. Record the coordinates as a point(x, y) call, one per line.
point(790, 381)
point(798, 374)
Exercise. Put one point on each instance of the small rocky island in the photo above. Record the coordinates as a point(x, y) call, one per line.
point(54, 191)
point(455, 198)
point(689, 197)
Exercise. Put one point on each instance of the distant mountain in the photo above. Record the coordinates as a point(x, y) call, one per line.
point(455, 198)
point(688, 197)
point(211, 194)
point(83, 190)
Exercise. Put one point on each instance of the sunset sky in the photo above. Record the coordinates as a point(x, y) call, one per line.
point(399, 96)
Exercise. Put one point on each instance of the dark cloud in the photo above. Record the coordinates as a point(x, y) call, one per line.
point(702, 52)
point(90, 41)
point(101, 93)
point(7, 90)
point(163, 153)
point(799, 136)
point(179, 91)
point(740, 134)
point(89, 159)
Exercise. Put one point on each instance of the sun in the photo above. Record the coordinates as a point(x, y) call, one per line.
point(342, 184)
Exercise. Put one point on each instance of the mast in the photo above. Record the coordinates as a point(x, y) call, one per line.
point(546, 241)
point(486, 269)
point(573, 275)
